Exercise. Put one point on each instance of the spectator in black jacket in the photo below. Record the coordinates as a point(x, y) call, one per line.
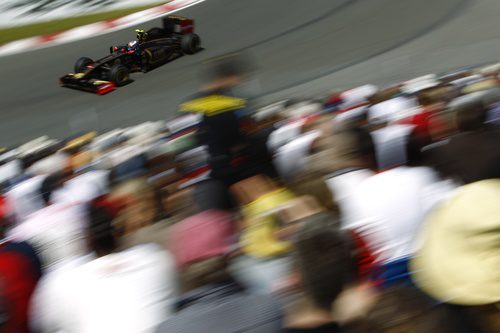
point(225, 121)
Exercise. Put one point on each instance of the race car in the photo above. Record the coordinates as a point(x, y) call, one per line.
point(151, 49)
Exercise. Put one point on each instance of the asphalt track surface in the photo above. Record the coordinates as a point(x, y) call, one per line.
point(301, 48)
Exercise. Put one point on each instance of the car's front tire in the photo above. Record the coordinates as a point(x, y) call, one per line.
point(119, 74)
point(191, 43)
point(82, 63)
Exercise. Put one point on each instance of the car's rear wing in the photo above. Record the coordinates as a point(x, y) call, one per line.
point(178, 24)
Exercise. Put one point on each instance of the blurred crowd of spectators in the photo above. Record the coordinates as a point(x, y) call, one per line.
point(371, 210)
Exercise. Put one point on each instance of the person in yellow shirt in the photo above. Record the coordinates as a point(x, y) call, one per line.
point(270, 216)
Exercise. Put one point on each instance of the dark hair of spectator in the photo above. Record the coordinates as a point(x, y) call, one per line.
point(49, 185)
point(100, 231)
point(470, 116)
point(363, 140)
point(322, 256)
point(417, 140)
point(424, 99)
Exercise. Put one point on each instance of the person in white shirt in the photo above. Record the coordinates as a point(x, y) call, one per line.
point(129, 291)
point(57, 219)
point(83, 188)
point(25, 198)
point(387, 210)
point(354, 155)
point(56, 232)
point(390, 208)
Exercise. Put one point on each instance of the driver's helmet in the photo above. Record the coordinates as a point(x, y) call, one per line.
point(141, 35)
point(131, 46)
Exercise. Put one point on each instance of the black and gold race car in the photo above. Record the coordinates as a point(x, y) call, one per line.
point(151, 49)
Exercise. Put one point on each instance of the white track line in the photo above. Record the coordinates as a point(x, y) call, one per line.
point(95, 29)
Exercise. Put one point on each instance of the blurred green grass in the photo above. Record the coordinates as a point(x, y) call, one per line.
point(44, 28)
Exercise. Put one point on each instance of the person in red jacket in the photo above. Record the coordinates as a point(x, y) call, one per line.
point(20, 270)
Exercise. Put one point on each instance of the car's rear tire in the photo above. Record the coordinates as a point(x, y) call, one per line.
point(82, 63)
point(119, 74)
point(191, 43)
